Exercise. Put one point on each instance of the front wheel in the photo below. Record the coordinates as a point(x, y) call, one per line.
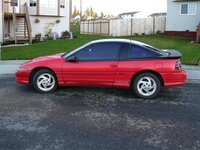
point(146, 85)
point(44, 81)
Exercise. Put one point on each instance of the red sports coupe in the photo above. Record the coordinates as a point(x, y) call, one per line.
point(111, 62)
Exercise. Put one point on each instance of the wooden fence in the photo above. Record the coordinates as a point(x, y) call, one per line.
point(98, 27)
point(124, 27)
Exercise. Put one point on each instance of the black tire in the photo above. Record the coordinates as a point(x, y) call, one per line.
point(41, 83)
point(143, 85)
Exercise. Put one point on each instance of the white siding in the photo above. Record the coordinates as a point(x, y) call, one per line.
point(178, 22)
point(1, 23)
point(44, 21)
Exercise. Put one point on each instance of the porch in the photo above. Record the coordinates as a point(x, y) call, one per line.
point(16, 26)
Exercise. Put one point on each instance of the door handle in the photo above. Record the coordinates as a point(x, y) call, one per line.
point(113, 65)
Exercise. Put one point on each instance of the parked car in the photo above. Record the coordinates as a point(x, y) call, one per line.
point(111, 62)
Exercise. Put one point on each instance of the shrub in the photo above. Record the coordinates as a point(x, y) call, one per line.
point(65, 34)
point(136, 34)
point(38, 37)
point(75, 35)
point(198, 63)
point(48, 31)
point(158, 32)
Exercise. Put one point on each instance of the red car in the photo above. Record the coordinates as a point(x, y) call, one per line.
point(111, 62)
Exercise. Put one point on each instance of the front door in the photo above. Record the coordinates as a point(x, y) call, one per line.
point(96, 65)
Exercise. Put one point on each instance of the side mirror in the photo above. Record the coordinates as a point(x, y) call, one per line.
point(72, 59)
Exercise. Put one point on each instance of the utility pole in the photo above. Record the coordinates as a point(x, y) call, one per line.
point(0, 50)
point(70, 9)
point(81, 8)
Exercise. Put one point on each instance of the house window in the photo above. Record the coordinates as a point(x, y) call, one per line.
point(62, 4)
point(14, 3)
point(33, 3)
point(53, 3)
point(188, 9)
point(49, 3)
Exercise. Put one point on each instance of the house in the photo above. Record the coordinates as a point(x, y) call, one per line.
point(183, 16)
point(158, 15)
point(20, 20)
point(127, 15)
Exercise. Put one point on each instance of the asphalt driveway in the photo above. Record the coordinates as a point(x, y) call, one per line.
point(98, 118)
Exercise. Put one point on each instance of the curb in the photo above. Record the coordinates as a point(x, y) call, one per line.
point(12, 62)
point(191, 67)
point(196, 81)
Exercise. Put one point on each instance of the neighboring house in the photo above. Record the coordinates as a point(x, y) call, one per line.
point(127, 15)
point(183, 16)
point(158, 15)
point(20, 20)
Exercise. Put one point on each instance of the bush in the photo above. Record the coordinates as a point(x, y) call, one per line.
point(38, 37)
point(48, 37)
point(198, 63)
point(75, 35)
point(65, 35)
point(158, 32)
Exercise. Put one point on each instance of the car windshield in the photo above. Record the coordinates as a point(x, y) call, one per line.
point(74, 51)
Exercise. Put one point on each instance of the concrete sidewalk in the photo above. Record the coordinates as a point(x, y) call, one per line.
point(9, 67)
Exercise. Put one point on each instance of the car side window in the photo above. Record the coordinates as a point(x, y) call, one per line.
point(138, 52)
point(99, 51)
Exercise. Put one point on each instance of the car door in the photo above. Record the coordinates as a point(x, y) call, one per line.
point(96, 65)
point(133, 59)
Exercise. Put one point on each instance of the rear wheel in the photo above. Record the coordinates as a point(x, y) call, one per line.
point(146, 85)
point(44, 81)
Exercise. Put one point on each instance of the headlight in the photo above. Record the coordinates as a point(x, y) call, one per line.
point(22, 69)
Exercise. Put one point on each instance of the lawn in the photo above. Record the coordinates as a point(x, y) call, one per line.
point(191, 53)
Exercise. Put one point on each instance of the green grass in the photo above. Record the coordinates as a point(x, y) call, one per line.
point(191, 53)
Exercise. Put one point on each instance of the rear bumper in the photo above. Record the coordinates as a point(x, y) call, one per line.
point(174, 79)
point(22, 77)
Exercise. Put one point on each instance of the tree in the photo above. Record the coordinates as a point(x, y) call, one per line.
point(74, 14)
point(102, 15)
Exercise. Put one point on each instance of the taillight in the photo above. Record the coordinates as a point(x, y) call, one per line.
point(178, 65)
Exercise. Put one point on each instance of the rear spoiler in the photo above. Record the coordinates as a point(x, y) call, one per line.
point(171, 54)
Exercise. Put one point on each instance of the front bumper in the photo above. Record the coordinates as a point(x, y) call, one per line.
point(175, 79)
point(22, 77)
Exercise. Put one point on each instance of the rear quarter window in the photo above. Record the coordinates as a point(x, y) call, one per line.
point(139, 52)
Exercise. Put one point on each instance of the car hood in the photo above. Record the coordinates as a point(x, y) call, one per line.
point(55, 56)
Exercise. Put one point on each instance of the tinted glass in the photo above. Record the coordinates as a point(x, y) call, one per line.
point(141, 52)
point(124, 51)
point(99, 51)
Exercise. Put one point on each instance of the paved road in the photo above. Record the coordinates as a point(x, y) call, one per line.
point(98, 118)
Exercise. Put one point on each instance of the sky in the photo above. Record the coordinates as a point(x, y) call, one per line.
point(115, 7)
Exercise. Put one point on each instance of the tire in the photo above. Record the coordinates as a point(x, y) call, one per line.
point(44, 81)
point(146, 85)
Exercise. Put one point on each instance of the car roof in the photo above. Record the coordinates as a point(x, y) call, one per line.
point(119, 40)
